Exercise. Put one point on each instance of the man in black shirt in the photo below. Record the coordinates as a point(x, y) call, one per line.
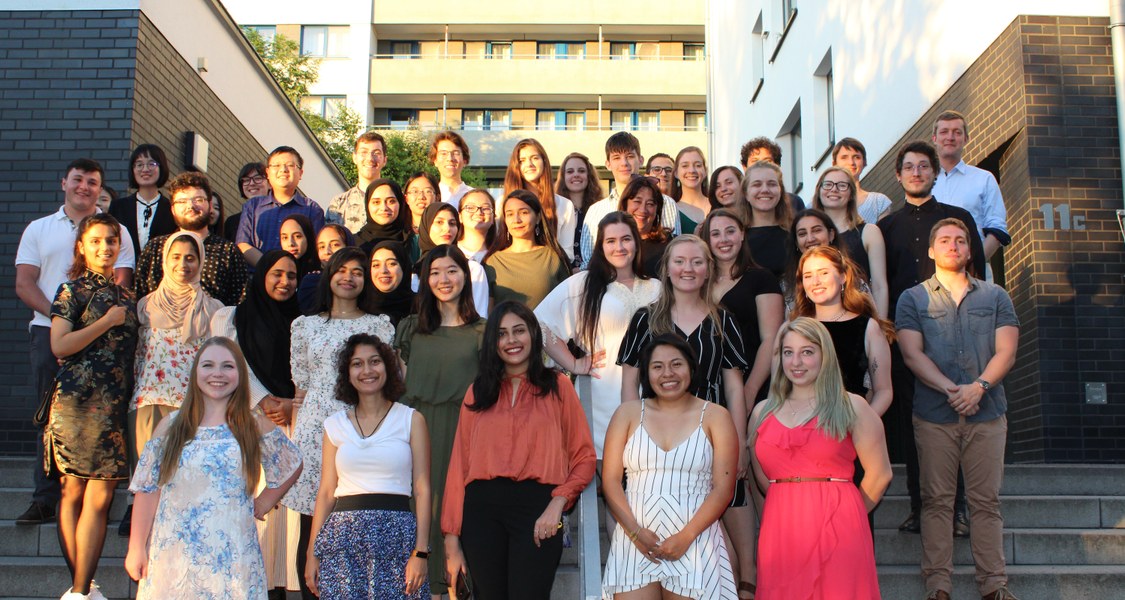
point(907, 235)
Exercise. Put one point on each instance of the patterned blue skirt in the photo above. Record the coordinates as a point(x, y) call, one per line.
point(363, 555)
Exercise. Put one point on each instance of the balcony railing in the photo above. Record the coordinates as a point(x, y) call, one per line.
point(509, 56)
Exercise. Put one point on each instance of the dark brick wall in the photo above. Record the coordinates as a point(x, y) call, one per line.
point(1042, 114)
point(66, 90)
point(95, 84)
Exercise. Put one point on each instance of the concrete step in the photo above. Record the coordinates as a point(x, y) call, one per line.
point(1021, 547)
point(42, 540)
point(1041, 480)
point(15, 471)
point(1031, 582)
point(48, 577)
point(15, 500)
point(568, 583)
point(1067, 512)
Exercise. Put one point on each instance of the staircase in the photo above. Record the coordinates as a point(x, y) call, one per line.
point(1064, 538)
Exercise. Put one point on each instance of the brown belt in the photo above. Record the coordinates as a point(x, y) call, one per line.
point(809, 479)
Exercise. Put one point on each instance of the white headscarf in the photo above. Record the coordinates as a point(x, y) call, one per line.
point(175, 305)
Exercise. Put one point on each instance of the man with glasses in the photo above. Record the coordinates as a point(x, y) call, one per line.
point(259, 231)
point(450, 154)
point(907, 235)
point(369, 157)
point(223, 275)
point(661, 166)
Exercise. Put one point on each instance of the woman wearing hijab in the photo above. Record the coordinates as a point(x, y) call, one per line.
point(440, 226)
point(386, 215)
point(390, 270)
point(261, 326)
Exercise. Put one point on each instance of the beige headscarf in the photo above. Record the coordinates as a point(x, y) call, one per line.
point(174, 305)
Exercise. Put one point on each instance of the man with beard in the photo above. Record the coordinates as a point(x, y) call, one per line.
point(958, 335)
point(224, 269)
point(906, 232)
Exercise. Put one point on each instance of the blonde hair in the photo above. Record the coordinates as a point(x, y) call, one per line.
point(239, 419)
point(660, 311)
point(850, 207)
point(834, 413)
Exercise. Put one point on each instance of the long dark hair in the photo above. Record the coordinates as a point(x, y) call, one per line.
point(393, 385)
point(79, 265)
point(544, 232)
point(658, 233)
point(324, 286)
point(429, 314)
point(309, 261)
point(599, 274)
point(794, 254)
point(156, 154)
point(745, 260)
point(490, 374)
point(543, 187)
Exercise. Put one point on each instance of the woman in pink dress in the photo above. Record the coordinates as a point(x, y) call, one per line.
point(815, 542)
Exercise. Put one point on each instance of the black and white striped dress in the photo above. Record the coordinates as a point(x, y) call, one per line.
point(665, 491)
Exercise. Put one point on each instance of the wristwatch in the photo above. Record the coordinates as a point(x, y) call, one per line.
point(984, 384)
point(424, 555)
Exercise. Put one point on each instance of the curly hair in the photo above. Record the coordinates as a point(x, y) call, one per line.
point(393, 387)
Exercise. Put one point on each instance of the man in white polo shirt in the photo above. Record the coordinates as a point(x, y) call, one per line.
point(45, 253)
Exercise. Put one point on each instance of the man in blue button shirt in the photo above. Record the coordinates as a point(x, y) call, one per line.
point(259, 230)
point(958, 335)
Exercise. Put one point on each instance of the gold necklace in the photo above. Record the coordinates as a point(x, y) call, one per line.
point(808, 403)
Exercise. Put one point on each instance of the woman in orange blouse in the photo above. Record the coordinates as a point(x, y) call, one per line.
point(522, 455)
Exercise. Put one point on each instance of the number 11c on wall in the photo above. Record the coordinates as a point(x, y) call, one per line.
point(1066, 221)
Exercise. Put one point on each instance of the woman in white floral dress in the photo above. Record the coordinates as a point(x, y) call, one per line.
point(316, 340)
point(193, 525)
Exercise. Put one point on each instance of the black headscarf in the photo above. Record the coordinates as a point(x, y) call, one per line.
point(398, 302)
point(397, 231)
point(263, 325)
point(309, 261)
point(425, 243)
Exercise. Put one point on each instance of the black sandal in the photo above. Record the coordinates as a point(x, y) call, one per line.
point(746, 586)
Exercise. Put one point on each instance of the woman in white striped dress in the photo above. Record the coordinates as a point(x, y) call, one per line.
point(680, 454)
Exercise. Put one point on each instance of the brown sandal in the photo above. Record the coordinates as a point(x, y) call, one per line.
point(747, 587)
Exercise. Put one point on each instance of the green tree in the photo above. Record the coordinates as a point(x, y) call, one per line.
point(293, 71)
point(337, 135)
point(408, 153)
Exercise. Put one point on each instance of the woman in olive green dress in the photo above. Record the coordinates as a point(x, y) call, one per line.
point(525, 259)
point(440, 346)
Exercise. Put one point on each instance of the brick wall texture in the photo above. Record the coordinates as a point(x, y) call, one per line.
point(88, 84)
point(1042, 116)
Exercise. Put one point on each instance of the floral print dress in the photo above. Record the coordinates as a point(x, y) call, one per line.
point(163, 367)
point(85, 433)
point(204, 542)
point(315, 343)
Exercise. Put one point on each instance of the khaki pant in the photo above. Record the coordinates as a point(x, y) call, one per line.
point(979, 450)
point(142, 424)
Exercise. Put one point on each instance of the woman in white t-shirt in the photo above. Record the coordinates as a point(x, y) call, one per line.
point(366, 542)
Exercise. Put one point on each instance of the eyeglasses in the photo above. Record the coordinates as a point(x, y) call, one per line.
point(447, 154)
point(140, 165)
point(918, 168)
point(658, 170)
point(372, 154)
point(839, 186)
point(285, 167)
point(253, 179)
point(484, 210)
point(196, 201)
point(426, 193)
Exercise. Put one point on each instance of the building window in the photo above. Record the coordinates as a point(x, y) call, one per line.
point(561, 50)
point(757, 58)
point(693, 52)
point(486, 120)
point(324, 106)
point(326, 41)
point(635, 120)
point(622, 50)
point(824, 104)
point(266, 32)
point(501, 50)
point(560, 120)
point(789, 138)
point(404, 50)
point(786, 13)
point(402, 118)
point(695, 121)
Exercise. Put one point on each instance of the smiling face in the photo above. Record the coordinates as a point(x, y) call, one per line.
point(216, 373)
point(514, 343)
point(725, 239)
point(281, 280)
point(691, 170)
point(530, 163)
point(99, 246)
point(446, 279)
point(216, 210)
point(328, 242)
point(369, 158)
point(669, 373)
point(191, 209)
point(477, 211)
point(347, 282)
point(950, 139)
point(81, 190)
point(642, 206)
point(254, 184)
point(449, 160)
point(662, 168)
point(104, 200)
point(763, 189)
point(800, 359)
point(618, 245)
point(812, 232)
point(687, 267)
point(575, 175)
point(386, 272)
point(520, 219)
point(727, 188)
point(383, 205)
point(822, 281)
point(284, 172)
point(419, 194)
point(293, 238)
point(182, 263)
point(366, 371)
point(835, 190)
point(146, 170)
point(444, 228)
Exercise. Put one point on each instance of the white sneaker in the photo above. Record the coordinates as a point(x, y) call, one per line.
point(95, 592)
point(69, 595)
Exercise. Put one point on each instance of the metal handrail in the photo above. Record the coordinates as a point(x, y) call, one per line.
point(537, 56)
point(590, 544)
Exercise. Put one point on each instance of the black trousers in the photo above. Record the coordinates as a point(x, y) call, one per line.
point(303, 556)
point(44, 366)
point(496, 537)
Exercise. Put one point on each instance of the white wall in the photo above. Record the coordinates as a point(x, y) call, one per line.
point(891, 60)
